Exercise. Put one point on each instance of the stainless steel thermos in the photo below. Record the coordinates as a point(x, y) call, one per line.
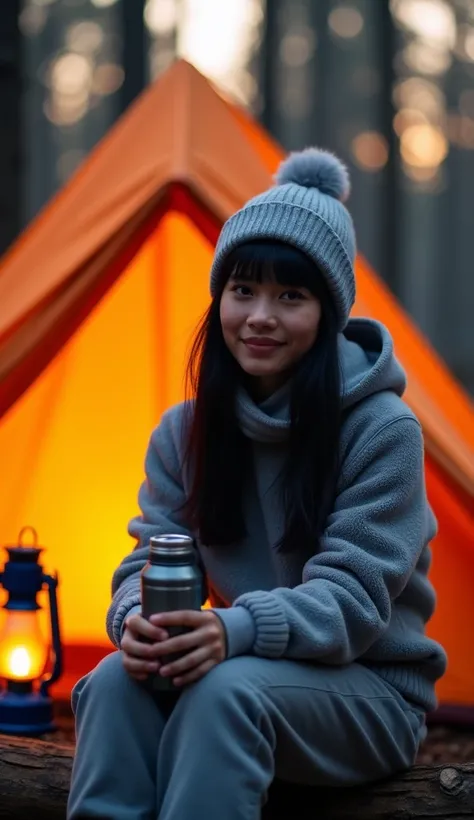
point(170, 581)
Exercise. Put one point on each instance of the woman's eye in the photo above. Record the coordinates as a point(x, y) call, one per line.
point(292, 295)
point(242, 290)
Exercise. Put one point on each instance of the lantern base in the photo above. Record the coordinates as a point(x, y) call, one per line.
point(25, 713)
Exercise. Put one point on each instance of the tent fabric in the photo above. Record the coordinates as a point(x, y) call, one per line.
point(98, 301)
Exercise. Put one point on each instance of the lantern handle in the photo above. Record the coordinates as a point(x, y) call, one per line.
point(52, 583)
point(22, 533)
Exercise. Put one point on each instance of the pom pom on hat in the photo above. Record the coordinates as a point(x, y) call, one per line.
point(315, 168)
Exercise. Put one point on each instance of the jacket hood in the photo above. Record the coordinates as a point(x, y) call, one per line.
point(368, 366)
point(368, 362)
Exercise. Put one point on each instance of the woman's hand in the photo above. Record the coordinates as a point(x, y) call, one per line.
point(139, 641)
point(204, 646)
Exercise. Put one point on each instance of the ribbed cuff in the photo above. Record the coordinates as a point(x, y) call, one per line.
point(240, 630)
point(123, 612)
point(136, 608)
point(272, 627)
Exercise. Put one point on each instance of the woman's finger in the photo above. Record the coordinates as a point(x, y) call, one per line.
point(141, 627)
point(192, 618)
point(138, 670)
point(135, 666)
point(195, 674)
point(138, 649)
point(184, 642)
point(184, 664)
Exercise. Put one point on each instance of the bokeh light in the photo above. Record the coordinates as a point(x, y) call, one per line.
point(161, 16)
point(85, 37)
point(426, 59)
point(420, 94)
point(422, 145)
point(407, 117)
point(432, 20)
point(346, 22)
point(297, 47)
point(32, 20)
point(107, 79)
point(71, 74)
point(64, 110)
point(370, 151)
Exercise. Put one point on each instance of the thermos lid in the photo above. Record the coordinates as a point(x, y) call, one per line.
point(172, 547)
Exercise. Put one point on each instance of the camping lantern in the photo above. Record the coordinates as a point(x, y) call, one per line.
point(25, 704)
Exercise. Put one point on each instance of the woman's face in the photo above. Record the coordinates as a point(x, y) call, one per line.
point(268, 328)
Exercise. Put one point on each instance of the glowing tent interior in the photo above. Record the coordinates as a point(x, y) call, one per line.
point(98, 299)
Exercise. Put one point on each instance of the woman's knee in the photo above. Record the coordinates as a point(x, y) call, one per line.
point(107, 678)
point(229, 684)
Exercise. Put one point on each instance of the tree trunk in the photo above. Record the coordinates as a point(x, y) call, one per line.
point(34, 782)
point(10, 123)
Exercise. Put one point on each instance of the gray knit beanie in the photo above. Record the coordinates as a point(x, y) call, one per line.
point(305, 209)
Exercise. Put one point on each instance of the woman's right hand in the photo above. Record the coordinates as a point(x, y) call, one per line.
point(138, 646)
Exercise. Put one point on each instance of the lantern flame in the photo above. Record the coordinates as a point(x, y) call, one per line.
point(23, 650)
point(20, 662)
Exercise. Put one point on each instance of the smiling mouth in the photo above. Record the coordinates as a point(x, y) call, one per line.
point(256, 342)
point(262, 348)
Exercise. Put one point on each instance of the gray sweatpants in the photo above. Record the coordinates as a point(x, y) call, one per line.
point(216, 752)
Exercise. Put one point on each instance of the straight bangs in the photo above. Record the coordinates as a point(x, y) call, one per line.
point(272, 261)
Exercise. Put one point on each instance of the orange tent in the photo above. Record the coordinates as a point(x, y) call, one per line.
point(98, 299)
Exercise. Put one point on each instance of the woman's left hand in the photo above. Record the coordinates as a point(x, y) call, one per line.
point(204, 646)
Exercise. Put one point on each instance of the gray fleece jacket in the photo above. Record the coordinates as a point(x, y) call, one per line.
point(363, 595)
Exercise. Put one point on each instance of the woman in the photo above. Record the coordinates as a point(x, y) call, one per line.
point(298, 468)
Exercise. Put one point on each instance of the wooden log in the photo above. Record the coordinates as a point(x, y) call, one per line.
point(441, 792)
point(34, 778)
point(35, 775)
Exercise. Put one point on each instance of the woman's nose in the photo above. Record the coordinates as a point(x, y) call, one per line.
point(261, 315)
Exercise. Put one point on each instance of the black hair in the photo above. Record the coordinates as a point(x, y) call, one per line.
point(217, 451)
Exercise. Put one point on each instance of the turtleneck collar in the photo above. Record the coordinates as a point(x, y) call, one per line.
point(268, 421)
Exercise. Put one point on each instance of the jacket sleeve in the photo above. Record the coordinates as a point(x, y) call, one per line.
point(161, 498)
point(374, 536)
